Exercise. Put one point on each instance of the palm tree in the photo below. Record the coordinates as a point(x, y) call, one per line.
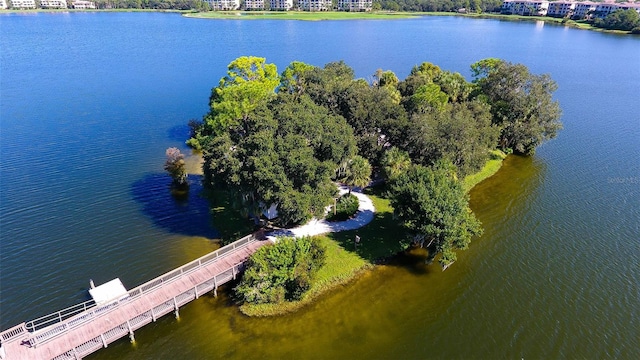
point(394, 163)
point(357, 172)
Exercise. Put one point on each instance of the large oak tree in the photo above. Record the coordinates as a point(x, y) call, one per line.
point(433, 207)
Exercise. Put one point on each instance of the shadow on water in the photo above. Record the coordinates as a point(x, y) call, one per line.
point(179, 133)
point(188, 216)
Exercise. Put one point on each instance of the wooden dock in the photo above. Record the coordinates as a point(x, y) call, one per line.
point(82, 329)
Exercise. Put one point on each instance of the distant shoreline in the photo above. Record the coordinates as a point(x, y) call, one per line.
point(333, 15)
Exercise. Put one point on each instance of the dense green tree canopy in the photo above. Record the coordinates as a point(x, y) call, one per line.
point(521, 103)
point(620, 19)
point(461, 133)
point(433, 207)
point(283, 140)
point(375, 115)
point(249, 83)
point(286, 154)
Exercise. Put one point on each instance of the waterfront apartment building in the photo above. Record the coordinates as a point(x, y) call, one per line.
point(53, 4)
point(3, 4)
point(355, 5)
point(604, 9)
point(281, 4)
point(519, 7)
point(82, 4)
point(573, 9)
point(23, 4)
point(316, 5)
point(254, 4)
point(561, 8)
point(584, 10)
point(224, 4)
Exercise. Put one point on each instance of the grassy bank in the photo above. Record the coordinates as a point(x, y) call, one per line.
point(341, 266)
point(301, 15)
point(577, 24)
point(383, 15)
point(490, 168)
point(380, 239)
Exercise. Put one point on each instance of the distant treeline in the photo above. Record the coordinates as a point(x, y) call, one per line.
point(440, 5)
point(394, 5)
point(153, 4)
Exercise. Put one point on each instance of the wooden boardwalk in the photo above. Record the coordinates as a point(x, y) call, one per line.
point(85, 328)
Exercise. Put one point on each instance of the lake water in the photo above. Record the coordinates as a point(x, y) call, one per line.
point(90, 101)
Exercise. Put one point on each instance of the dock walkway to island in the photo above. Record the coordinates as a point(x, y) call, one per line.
point(82, 329)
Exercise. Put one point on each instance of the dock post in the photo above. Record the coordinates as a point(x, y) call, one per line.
point(132, 338)
point(215, 292)
point(175, 305)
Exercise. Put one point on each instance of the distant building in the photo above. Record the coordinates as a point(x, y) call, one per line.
point(604, 9)
point(536, 8)
point(23, 4)
point(584, 10)
point(3, 4)
point(224, 4)
point(254, 4)
point(316, 5)
point(628, 6)
point(281, 4)
point(82, 4)
point(53, 4)
point(561, 8)
point(355, 5)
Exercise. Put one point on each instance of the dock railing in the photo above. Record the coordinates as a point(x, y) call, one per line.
point(50, 326)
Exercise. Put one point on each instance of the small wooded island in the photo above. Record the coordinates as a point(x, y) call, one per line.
point(282, 141)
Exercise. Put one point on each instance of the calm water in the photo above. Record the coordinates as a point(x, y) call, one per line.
point(89, 102)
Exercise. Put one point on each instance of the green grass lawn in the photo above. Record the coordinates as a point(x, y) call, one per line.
point(301, 15)
point(382, 238)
